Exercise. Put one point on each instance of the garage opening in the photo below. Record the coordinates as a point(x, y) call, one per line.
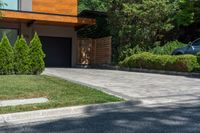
point(58, 51)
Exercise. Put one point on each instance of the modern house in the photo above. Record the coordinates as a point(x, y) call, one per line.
point(55, 21)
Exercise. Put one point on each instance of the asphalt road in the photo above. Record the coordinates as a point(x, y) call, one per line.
point(138, 119)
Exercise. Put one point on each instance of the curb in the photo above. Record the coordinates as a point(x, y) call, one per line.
point(60, 113)
point(110, 67)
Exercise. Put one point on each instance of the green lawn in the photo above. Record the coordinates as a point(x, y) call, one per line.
point(61, 93)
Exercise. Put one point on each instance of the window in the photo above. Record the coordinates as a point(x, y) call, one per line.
point(11, 4)
point(196, 42)
point(11, 34)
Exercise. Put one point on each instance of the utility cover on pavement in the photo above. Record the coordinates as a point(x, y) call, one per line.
point(4, 103)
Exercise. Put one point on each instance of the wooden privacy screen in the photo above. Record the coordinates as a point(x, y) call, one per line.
point(94, 51)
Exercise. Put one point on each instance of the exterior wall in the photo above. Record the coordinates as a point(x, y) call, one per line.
point(9, 25)
point(26, 5)
point(26, 31)
point(59, 31)
point(65, 7)
point(45, 30)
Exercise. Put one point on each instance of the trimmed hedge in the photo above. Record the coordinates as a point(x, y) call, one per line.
point(198, 57)
point(197, 69)
point(181, 63)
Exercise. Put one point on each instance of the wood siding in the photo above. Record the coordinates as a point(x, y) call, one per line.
point(45, 18)
point(65, 7)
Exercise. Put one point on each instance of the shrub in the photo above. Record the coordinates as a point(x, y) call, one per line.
point(198, 57)
point(127, 51)
point(197, 69)
point(168, 48)
point(36, 55)
point(21, 57)
point(6, 56)
point(182, 63)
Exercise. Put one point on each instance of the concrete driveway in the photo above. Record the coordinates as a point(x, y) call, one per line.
point(151, 89)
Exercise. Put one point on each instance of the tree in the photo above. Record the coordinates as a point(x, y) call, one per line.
point(140, 22)
point(189, 12)
point(6, 56)
point(37, 55)
point(187, 21)
point(94, 5)
point(21, 57)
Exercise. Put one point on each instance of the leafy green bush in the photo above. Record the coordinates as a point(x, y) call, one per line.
point(198, 57)
point(168, 48)
point(37, 55)
point(182, 63)
point(6, 56)
point(21, 57)
point(197, 69)
point(127, 51)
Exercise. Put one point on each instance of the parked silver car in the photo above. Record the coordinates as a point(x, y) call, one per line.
point(192, 48)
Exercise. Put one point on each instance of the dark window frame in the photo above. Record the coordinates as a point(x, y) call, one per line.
point(17, 29)
point(7, 28)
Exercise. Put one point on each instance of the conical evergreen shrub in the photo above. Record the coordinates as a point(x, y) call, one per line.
point(6, 56)
point(37, 55)
point(22, 60)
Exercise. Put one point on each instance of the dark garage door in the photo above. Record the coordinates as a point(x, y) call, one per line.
point(57, 50)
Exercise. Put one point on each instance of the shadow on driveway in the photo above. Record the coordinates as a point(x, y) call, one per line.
point(182, 118)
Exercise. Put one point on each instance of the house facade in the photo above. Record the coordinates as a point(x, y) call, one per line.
point(55, 21)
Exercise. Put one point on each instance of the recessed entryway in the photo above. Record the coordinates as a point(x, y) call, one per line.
point(57, 50)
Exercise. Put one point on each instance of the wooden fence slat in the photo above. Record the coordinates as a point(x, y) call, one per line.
point(94, 51)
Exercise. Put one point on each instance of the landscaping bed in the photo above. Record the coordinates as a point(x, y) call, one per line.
point(60, 93)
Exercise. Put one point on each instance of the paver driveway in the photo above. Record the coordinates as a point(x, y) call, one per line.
point(147, 88)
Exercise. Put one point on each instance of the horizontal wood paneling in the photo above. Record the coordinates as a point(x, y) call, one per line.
point(94, 51)
point(66, 7)
point(45, 18)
